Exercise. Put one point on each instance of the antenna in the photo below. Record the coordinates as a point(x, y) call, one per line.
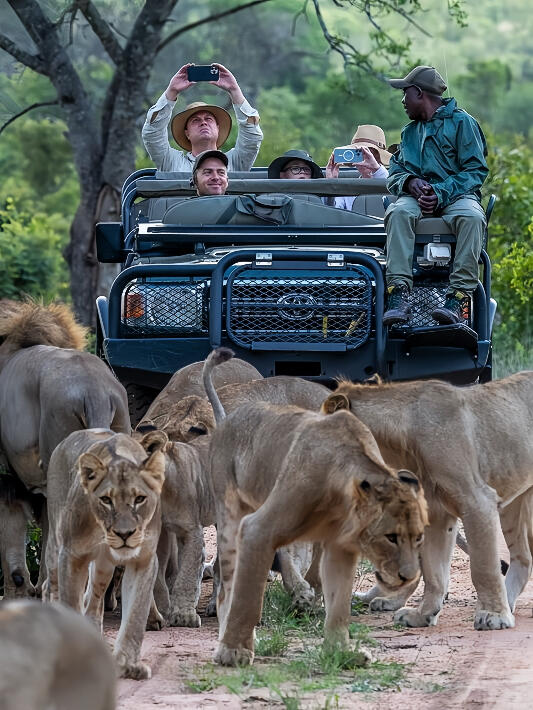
point(446, 73)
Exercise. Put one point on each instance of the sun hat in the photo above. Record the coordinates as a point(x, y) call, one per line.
point(179, 122)
point(371, 137)
point(277, 165)
point(426, 78)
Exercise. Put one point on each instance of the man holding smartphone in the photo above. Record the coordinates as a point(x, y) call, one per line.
point(200, 126)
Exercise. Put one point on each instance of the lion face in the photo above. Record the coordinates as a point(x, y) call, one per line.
point(123, 483)
point(393, 540)
point(182, 421)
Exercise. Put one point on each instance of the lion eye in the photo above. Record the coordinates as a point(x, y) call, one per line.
point(106, 500)
point(392, 538)
point(139, 500)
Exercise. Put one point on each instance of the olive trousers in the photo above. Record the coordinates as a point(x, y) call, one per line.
point(466, 219)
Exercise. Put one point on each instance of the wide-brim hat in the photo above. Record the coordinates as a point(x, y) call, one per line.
point(371, 136)
point(179, 123)
point(277, 165)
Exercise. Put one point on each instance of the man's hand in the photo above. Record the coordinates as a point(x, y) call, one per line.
point(228, 82)
point(417, 187)
point(428, 200)
point(178, 83)
point(332, 168)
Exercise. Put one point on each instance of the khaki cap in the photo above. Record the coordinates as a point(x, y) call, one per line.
point(426, 78)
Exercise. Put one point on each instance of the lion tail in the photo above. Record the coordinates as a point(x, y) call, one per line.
point(216, 357)
point(27, 323)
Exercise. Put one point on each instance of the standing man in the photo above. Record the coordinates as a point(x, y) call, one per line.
point(200, 126)
point(439, 169)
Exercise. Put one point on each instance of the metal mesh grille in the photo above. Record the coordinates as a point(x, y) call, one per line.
point(425, 297)
point(299, 310)
point(164, 308)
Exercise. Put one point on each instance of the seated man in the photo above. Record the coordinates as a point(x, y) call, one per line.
point(294, 165)
point(201, 126)
point(210, 173)
point(439, 169)
point(371, 140)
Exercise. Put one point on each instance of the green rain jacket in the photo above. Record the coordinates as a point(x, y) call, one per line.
point(448, 151)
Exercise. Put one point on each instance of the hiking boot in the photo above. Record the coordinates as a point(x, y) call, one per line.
point(455, 310)
point(398, 308)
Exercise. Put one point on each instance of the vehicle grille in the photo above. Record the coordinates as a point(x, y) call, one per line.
point(164, 308)
point(329, 310)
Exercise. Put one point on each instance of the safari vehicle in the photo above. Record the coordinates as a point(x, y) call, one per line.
point(293, 286)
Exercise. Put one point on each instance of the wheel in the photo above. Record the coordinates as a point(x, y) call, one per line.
point(486, 374)
point(139, 399)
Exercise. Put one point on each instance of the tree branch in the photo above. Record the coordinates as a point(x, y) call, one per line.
point(28, 108)
point(205, 20)
point(33, 61)
point(101, 29)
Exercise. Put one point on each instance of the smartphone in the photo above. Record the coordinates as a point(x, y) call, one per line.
point(202, 72)
point(348, 155)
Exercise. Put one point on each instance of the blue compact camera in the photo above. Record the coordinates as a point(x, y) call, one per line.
point(348, 155)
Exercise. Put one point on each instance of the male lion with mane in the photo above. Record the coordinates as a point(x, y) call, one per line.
point(105, 510)
point(473, 451)
point(282, 473)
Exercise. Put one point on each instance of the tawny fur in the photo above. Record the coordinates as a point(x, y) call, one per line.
point(32, 323)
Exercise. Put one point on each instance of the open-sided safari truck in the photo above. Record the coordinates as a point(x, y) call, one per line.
point(291, 285)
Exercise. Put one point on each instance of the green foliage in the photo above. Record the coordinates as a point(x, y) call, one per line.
point(31, 261)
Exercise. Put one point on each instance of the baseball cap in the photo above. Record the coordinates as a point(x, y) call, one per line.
point(426, 78)
point(209, 154)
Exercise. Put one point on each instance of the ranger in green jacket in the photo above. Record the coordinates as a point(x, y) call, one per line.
point(439, 169)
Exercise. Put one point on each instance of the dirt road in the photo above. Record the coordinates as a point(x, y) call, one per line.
point(448, 666)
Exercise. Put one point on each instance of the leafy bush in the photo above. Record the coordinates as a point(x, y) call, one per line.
point(31, 262)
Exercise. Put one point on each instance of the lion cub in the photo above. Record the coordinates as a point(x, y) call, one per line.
point(282, 473)
point(104, 493)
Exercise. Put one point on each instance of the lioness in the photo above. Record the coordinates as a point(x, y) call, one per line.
point(52, 659)
point(187, 382)
point(193, 415)
point(104, 503)
point(282, 473)
point(473, 450)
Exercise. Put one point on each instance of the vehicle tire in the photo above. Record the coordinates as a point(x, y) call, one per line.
point(139, 399)
point(486, 375)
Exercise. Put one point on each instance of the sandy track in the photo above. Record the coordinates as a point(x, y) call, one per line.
point(453, 666)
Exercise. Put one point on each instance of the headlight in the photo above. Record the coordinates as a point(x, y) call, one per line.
point(170, 306)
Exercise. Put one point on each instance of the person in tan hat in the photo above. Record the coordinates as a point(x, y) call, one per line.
point(371, 140)
point(439, 169)
point(210, 173)
point(200, 126)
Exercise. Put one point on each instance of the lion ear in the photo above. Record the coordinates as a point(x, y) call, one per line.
point(91, 471)
point(154, 440)
point(409, 478)
point(335, 402)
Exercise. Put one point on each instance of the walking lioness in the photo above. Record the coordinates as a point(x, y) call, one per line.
point(472, 448)
point(282, 473)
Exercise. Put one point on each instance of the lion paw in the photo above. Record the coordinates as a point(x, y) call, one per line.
point(155, 621)
point(303, 598)
point(135, 671)
point(412, 617)
point(385, 604)
point(226, 656)
point(185, 617)
point(490, 620)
